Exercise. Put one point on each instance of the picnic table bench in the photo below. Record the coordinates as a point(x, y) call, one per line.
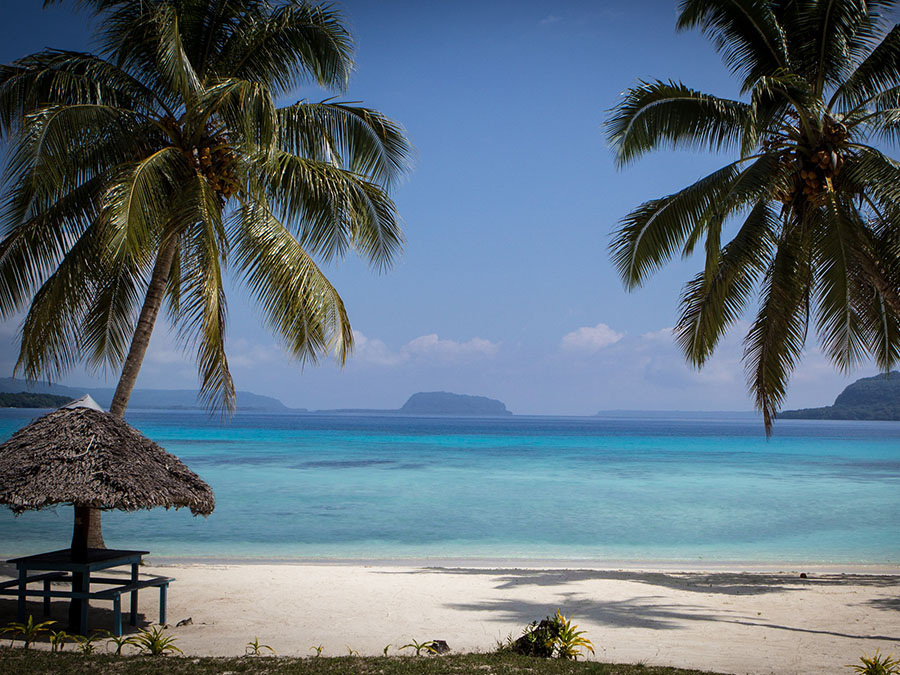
point(63, 568)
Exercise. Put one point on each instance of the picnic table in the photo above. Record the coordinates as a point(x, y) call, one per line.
point(62, 566)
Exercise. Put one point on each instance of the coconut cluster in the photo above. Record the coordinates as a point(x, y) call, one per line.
point(213, 158)
point(815, 168)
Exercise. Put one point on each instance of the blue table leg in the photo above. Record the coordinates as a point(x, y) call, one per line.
point(23, 587)
point(46, 597)
point(85, 603)
point(134, 595)
point(162, 604)
point(117, 615)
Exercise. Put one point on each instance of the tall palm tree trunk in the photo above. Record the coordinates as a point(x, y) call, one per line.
point(90, 534)
point(87, 531)
point(141, 339)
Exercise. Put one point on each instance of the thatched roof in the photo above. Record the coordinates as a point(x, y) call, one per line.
point(87, 457)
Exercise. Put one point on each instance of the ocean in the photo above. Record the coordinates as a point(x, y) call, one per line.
point(304, 486)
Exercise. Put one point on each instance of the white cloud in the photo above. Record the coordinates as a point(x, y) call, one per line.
point(428, 345)
point(663, 336)
point(590, 339)
point(550, 18)
point(246, 354)
point(374, 351)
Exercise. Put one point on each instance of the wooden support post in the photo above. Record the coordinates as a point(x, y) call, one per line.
point(23, 586)
point(134, 595)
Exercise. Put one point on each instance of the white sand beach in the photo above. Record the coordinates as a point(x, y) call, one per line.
point(728, 620)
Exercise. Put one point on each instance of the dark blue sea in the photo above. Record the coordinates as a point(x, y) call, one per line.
point(384, 487)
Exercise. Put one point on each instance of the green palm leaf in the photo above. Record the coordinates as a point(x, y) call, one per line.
point(658, 114)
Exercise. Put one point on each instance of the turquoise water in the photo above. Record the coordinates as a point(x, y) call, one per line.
point(307, 486)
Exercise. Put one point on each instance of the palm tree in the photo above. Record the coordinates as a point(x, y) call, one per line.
point(142, 175)
point(810, 206)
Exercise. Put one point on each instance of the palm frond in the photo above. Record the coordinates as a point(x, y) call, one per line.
point(138, 202)
point(657, 114)
point(109, 321)
point(247, 111)
point(827, 38)
point(714, 299)
point(202, 310)
point(300, 304)
point(746, 32)
point(775, 341)
point(31, 250)
point(51, 340)
point(878, 72)
point(287, 46)
point(54, 77)
point(359, 139)
point(651, 234)
point(838, 322)
point(332, 209)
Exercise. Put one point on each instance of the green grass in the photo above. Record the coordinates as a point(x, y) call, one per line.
point(36, 662)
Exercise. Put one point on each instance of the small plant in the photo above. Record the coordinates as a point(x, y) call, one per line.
point(877, 665)
point(569, 640)
point(58, 640)
point(427, 647)
point(318, 649)
point(28, 630)
point(351, 652)
point(154, 642)
point(119, 641)
point(386, 648)
point(253, 648)
point(86, 643)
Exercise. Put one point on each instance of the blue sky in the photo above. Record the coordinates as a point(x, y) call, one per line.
point(505, 288)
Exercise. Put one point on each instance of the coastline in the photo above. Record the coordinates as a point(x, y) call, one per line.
point(726, 618)
point(501, 563)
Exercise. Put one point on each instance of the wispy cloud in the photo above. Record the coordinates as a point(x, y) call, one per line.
point(374, 351)
point(550, 18)
point(590, 339)
point(431, 347)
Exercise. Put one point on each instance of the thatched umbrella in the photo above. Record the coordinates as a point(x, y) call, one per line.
point(83, 456)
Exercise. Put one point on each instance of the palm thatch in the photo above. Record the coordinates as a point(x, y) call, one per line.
point(86, 457)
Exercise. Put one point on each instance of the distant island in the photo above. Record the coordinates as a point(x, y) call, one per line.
point(436, 403)
point(25, 399)
point(168, 399)
point(871, 398)
point(445, 403)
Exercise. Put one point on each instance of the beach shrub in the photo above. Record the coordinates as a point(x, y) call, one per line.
point(877, 665)
point(154, 642)
point(554, 636)
point(318, 649)
point(28, 630)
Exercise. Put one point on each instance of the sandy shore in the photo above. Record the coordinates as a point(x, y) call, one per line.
point(718, 619)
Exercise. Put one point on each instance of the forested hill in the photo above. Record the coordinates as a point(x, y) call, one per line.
point(140, 398)
point(24, 399)
point(871, 398)
point(445, 403)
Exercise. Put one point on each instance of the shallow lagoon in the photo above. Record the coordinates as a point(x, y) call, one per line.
point(381, 487)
